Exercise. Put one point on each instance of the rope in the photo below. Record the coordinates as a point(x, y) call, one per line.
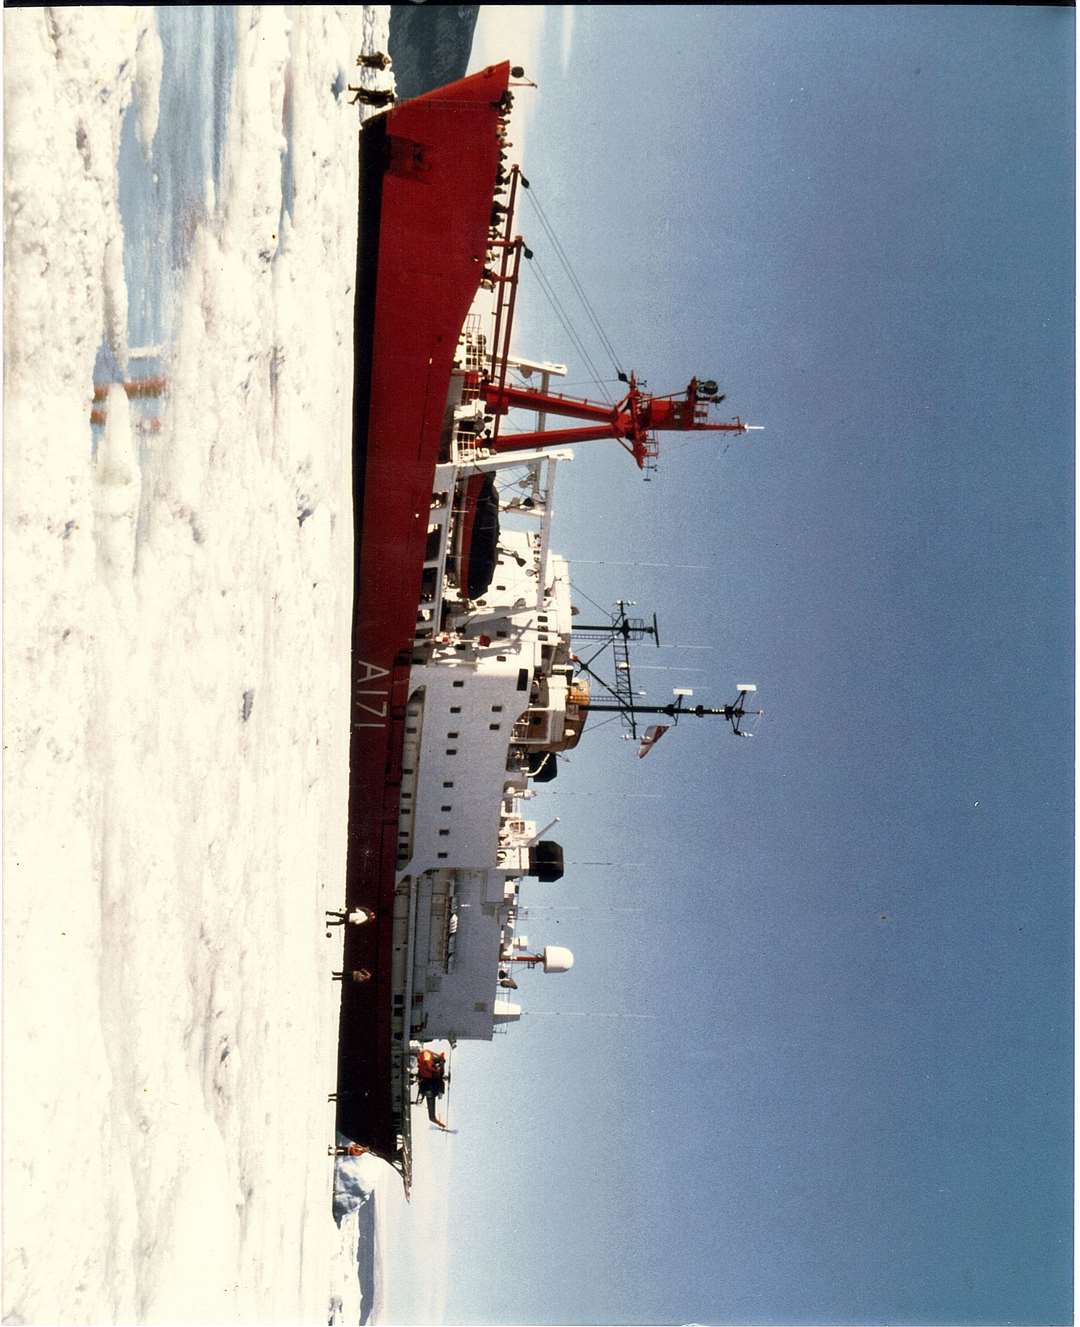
point(592, 726)
point(568, 327)
point(449, 1084)
point(605, 340)
point(578, 590)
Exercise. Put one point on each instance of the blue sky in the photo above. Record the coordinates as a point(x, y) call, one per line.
point(813, 1063)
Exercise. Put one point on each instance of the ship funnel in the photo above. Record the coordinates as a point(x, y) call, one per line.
point(557, 959)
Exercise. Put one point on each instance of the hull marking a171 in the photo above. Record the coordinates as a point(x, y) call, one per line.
point(368, 672)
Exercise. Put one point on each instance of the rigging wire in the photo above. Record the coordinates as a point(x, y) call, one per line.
point(592, 727)
point(578, 590)
point(605, 340)
point(575, 1013)
point(568, 327)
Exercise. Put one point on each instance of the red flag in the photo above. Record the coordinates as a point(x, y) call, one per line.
point(652, 735)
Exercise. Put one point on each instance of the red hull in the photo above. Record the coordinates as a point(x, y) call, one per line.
point(427, 178)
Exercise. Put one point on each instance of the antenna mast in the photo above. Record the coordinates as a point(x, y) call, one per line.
point(617, 634)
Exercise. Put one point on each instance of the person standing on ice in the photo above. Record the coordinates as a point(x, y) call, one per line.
point(431, 1080)
point(371, 96)
point(357, 917)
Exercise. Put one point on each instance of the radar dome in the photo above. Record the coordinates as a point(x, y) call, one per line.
point(557, 959)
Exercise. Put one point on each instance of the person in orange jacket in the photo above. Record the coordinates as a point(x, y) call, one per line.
point(431, 1080)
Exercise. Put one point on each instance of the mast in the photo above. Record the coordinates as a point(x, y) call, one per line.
point(734, 713)
point(618, 634)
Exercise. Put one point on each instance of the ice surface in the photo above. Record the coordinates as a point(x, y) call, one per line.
point(169, 1019)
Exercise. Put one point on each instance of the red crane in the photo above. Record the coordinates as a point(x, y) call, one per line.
point(631, 421)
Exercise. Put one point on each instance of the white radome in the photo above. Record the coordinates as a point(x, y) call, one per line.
point(557, 958)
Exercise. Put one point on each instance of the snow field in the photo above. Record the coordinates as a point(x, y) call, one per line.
point(176, 699)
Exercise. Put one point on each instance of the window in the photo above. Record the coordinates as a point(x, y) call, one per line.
point(447, 808)
point(459, 684)
point(444, 833)
point(496, 709)
point(523, 679)
point(443, 856)
point(452, 734)
point(451, 750)
point(449, 783)
point(494, 727)
point(455, 709)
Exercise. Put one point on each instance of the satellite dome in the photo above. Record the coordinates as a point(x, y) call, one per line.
point(557, 959)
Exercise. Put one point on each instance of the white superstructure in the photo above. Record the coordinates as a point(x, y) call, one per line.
point(492, 700)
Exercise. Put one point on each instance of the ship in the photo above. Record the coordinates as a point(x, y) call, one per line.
point(466, 684)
